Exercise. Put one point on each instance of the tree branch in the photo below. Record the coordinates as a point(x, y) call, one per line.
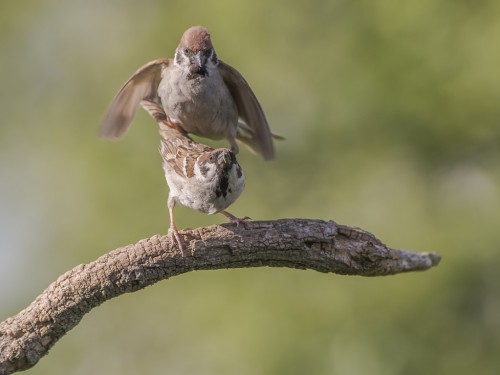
point(294, 243)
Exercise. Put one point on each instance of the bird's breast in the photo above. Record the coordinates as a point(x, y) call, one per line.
point(202, 106)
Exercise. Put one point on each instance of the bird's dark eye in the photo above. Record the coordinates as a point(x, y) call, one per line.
point(186, 51)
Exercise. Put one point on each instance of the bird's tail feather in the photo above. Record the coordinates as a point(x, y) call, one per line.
point(245, 135)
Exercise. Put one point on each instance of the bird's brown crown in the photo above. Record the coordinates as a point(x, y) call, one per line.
point(196, 38)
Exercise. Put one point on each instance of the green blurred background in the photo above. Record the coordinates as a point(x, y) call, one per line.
point(391, 112)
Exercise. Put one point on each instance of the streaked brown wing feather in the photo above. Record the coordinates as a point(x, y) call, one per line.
point(169, 151)
point(143, 84)
point(249, 110)
point(178, 150)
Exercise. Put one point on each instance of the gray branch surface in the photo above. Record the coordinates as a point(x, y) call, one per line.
point(294, 243)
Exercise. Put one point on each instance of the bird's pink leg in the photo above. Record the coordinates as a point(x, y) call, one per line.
point(172, 231)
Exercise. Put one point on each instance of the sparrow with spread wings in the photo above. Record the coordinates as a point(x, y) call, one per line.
point(200, 95)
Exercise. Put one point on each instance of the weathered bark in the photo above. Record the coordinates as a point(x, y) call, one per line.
point(295, 243)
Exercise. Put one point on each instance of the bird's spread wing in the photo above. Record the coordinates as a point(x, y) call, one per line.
point(142, 85)
point(249, 111)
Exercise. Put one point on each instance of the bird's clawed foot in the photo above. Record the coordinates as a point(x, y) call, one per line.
point(176, 240)
point(234, 219)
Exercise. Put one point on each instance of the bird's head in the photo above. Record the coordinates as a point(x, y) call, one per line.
point(195, 52)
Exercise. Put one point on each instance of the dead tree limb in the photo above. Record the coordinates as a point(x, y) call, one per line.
point(294, 243)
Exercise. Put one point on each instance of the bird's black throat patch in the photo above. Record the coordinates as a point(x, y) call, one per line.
point(197, 72)
point(223, 184)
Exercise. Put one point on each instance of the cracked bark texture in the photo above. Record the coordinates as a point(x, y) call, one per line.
point(294, 243)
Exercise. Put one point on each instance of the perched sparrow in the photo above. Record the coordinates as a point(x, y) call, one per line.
point(200, 95)
point(199, 177)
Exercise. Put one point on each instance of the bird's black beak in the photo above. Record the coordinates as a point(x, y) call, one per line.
point(227, 158)
point(198, 64)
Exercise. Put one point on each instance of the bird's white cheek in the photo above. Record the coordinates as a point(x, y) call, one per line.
point(181, 61)
point(207, 174)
